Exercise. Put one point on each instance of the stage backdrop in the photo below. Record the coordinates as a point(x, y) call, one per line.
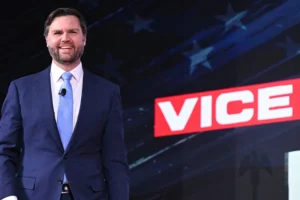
point(210, 88)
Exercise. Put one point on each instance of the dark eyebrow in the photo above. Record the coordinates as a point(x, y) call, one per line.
point(59, 31)
point(74, 29)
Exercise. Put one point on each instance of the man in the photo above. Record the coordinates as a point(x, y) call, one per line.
point(61, 132)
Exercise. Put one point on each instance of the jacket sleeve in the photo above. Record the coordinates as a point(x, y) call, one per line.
point(10, 131)
point(114, 152)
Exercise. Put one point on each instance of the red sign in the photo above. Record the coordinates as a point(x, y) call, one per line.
point(227, 108)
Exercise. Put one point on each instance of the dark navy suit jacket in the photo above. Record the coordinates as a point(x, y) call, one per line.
point(32, 158)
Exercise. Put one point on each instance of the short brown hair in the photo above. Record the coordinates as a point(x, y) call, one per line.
point(65, 12)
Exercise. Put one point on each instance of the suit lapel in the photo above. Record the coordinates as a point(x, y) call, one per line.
point(86, 107)
point(46, 106)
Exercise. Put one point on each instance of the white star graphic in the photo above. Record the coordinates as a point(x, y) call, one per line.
point(232, 19)
point(139, 24)
point(198, 56)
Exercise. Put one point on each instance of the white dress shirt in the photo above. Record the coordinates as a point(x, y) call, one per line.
point(76, 82)
point(56, 82)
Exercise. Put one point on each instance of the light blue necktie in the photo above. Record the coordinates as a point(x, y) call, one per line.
point(65, 111)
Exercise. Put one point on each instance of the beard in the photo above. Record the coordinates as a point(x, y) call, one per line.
point(66, 59)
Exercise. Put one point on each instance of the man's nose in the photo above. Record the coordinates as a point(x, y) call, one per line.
point(65, 37)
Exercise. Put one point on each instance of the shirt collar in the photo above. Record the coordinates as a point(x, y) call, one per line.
point(56, 72)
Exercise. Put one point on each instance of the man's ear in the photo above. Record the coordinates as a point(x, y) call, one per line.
point(84, 39)
point(46, 40)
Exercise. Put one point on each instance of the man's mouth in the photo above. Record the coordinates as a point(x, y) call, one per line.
point(65, 49)
point(68, 47)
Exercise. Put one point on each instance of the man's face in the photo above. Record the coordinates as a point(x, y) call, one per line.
point(65, 40)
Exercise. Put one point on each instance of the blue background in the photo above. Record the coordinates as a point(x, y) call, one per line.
point(159, 48)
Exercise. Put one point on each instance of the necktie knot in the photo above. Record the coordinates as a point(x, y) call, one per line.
point(66, 76)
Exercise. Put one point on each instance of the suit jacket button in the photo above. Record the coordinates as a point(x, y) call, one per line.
point(60, 182)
